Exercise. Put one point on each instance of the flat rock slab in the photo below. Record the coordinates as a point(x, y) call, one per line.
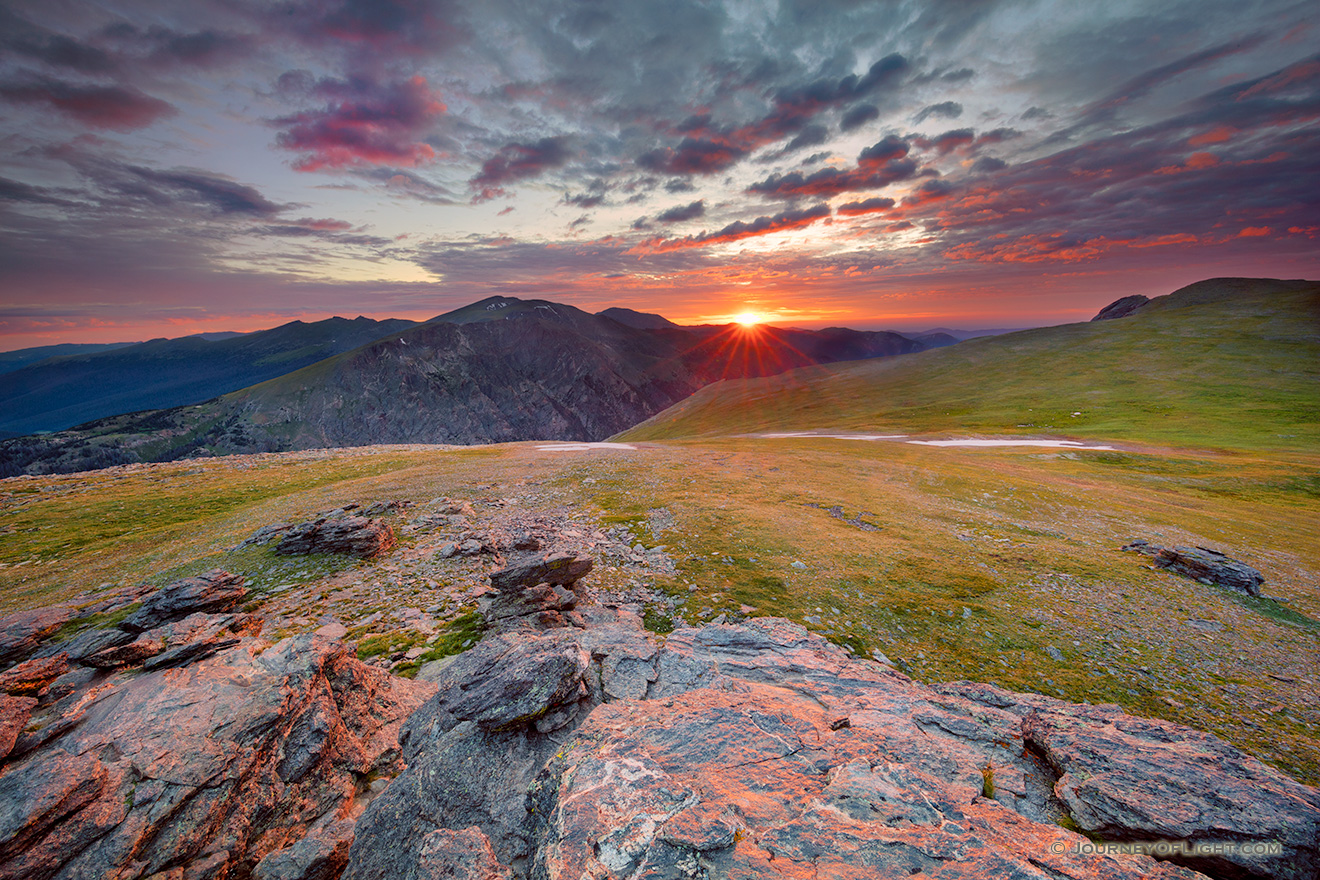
point(211, 592)
point(1205, 565)
point(563, 569)
point(762, 750)
point(22, 633)
point(351, 535)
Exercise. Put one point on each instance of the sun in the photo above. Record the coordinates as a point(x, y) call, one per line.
point(747, 319)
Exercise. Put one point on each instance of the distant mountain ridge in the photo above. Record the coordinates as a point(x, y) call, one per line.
point(501, 369)
point(22, 357)
point(58, 392)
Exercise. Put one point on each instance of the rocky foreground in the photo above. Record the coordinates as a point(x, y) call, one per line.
point(573, 743)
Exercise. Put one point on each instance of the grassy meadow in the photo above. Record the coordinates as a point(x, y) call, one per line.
point(990, 564)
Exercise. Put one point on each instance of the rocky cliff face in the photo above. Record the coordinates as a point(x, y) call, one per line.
point(753, 749)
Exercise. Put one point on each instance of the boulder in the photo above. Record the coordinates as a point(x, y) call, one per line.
point(1204, 789)
point(214, 591)
point(1205, 565)
point(563, 569)
point(540, 604)
point(351, 535)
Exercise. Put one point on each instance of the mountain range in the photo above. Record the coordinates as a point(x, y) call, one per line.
point(497, 370)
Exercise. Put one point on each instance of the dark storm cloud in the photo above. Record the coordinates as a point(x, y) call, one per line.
point(162, 47)
point(215, 195)
point(739, 230)
point(117, 108)
point(866, 206)
point(692, 156)
point(365, 123)
point(945, 110)
point(520, 161)
point(21, 37)
point(877, 166)
point(859, 116)
point(17, 191)
point(683, 212)
point(948, 141)
point(409, 27)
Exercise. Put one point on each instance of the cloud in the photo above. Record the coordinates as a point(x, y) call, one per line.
point(25, 39)
point(519, 161)
point(740, 230)
point(948, 141)
point(708, 148)
point(379, 27)
point(878, 166)
point(217, 195)
point(365, 123)
point(683, 212)
point(692, 156)
point(859, 116)
point(118, 108)
point(867, 206)
point(946, 110)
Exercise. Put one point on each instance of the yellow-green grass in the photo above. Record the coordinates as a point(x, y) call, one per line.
point(1233, 372)
point(984, 560)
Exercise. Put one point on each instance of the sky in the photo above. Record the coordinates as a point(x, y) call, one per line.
point(176, 167)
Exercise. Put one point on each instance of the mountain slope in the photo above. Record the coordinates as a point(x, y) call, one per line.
point(63, 391)
point(1231, 362)
point(499, 370)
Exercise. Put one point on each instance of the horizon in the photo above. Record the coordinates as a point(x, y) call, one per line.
point(192, 169)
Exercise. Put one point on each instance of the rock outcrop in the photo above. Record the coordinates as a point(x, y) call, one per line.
point(1205, 565)
point(762, 750)
point(536, 592)
point(1121, 308)
point(354, 535)
point(214, 591)
point(249, 762)
point(195, 751)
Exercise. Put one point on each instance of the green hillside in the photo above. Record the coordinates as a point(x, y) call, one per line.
point(1225, 363)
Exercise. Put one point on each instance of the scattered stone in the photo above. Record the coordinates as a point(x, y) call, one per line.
point(1205, 625)
point(563, 569)
point(1055, 654)
point(352, 535)
point(1204, 565)
point(214, 591)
